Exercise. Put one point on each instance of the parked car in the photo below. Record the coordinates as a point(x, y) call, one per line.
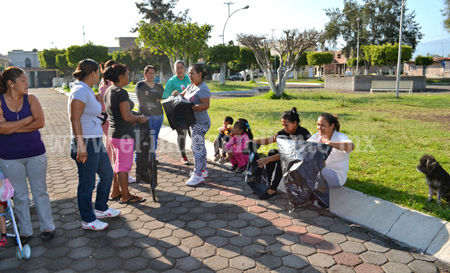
point(237, 77)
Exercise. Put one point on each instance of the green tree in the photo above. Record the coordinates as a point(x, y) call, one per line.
point(2, 68)
point(319, 59)
point(446, 14)
point(63, 66)
point(222, 54)
point(247, 57)
point(77, 53)
point(378, 24)
point(352, 62)
point(301, 64)
point(156, 11)
point(47, 57)
point(386, 54)
point(424, 61)
point(176, 40)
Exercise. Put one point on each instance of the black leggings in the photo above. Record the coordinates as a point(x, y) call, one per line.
point(181, 140)
point(271, 167)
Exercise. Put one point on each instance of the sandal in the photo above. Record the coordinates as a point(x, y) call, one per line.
point(266, 196)
point(23, 239)
point(133, 199)
point(115, 198)
point(47, 235)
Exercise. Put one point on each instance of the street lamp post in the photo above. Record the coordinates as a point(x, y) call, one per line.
point(357, 50)
point(229, 15)
point(399, 50)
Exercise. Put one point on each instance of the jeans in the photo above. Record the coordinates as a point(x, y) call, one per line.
point(97, 163)
point(155, 123)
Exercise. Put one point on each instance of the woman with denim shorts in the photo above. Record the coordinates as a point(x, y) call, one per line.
point(87, 147)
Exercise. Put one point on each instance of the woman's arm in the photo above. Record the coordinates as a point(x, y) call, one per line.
point(266, 141)
point(264, 161)
point(38, 115)
point(76, 110)
point(125, 111)
point(168, 89)
point(142, 99)
point(343, 146)
point(204, 105)
point(9, 127)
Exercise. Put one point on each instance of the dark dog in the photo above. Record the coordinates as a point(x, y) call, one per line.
point(437, 178)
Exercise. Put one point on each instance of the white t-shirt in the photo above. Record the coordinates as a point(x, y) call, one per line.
point(90, 123)
point(338, 160)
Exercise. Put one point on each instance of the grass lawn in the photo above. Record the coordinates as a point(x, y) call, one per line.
point(215, 86)
point(390, 136)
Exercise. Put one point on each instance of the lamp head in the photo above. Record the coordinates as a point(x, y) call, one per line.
point(246, 7)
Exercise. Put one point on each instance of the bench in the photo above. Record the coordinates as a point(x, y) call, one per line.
point(258, 82)
point(391, 86)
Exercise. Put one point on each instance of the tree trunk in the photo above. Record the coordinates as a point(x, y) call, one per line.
point(424, 68)
point(161, 68)
point(223, 67)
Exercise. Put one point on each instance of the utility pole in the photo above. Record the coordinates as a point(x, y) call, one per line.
point(357, 51)
point(84, 36)
point(399, 49)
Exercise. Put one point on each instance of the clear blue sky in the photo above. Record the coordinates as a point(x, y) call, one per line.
point(26, 25)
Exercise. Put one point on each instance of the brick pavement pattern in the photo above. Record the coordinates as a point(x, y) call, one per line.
point(218, 227)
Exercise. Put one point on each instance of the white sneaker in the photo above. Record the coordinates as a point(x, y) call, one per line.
point(95, 225)
point(131, 179)
point(109, 213)
point(195, 180)
point(204, 173)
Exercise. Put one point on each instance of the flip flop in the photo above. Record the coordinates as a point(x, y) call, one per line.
point(137, 198)
point(114, 198)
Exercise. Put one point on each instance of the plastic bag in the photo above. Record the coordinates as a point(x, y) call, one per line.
point(6, 189)
point(302, 162)
point(179, 112)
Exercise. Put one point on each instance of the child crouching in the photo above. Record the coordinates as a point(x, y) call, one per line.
point(242, 134)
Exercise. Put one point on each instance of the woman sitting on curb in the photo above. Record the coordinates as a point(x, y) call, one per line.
point(290, 120)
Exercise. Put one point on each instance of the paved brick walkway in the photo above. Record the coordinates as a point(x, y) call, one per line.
point(218, 227)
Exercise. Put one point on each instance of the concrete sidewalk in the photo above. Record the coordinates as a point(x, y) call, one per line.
point(217, 227)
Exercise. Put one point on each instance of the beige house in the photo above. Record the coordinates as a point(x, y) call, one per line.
point(440, 68)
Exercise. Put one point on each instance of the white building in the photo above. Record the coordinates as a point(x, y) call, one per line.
point(24, 59)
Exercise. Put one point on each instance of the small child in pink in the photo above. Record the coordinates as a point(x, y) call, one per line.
point(242, 134)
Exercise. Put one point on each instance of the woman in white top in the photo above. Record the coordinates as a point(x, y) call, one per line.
point(337, 163)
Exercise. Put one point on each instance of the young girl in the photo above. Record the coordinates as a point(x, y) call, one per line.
point(242, 134)
point(222, 139)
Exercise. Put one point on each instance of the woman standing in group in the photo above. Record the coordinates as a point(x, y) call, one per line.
point(290, 120)
point(22, 153)
point(103, 86)
point(337, 163)
point(121, 130)
point(149, 94)
point(199, 95)
point(87, 147)
point(179, 82)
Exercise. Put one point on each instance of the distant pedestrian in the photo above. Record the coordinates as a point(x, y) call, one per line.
point(199, 95)
point(179, 82)
point(87, 147)
point(22, 152)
